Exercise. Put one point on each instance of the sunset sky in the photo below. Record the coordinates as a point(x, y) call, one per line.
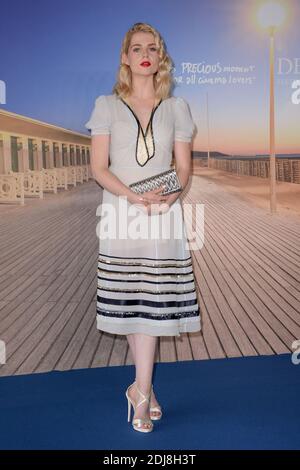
point(60, 55)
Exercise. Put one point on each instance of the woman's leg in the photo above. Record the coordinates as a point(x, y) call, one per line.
point(131, 342)
point(144, 350)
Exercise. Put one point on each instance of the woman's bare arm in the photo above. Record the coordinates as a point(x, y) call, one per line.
point(182, 153)
point(101, 172)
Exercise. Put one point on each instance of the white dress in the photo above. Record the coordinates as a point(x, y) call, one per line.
point(145, 283)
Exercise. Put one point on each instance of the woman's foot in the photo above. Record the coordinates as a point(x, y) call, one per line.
point(141, 411)
point(153, 404)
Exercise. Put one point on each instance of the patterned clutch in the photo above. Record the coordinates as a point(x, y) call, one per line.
point(168, 179)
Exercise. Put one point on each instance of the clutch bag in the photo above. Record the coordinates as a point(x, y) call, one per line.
point(168, 179)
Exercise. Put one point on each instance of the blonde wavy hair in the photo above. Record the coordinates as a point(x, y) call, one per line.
point(163, 78)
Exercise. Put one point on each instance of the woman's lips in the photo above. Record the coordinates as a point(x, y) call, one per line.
point(145, 64)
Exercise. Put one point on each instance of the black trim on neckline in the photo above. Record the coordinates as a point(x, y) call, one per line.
point(137, 119)
point(140, 129)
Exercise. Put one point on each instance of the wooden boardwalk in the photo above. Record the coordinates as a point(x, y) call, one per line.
point(247, 273)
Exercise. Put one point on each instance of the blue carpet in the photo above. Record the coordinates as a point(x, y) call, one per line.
point(238, 403)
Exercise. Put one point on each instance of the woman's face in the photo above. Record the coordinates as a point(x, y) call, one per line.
point(142, 48)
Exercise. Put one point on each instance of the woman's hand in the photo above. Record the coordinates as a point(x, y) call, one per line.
point(163, 205)
point(153, 202)
point(148, 198)
point(154, 196)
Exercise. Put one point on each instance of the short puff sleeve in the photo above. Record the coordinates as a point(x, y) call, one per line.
point(100, 119)
point(184, 124)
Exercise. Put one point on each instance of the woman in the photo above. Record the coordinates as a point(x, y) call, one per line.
point(146, 285)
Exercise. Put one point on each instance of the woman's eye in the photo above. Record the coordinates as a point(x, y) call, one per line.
point(136, 49)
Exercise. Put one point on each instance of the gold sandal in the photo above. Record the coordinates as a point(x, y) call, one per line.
point(154, 409)
point(138, 423)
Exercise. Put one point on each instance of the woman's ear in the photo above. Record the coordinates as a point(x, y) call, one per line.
point(124, 59)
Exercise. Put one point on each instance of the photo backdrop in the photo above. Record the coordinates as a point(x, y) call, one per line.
point(57, 56)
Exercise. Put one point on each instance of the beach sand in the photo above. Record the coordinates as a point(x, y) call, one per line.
point(256, 190)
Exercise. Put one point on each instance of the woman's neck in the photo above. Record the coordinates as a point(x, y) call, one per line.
point(142, 89)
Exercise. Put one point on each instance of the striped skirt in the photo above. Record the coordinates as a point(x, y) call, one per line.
point(147, 285)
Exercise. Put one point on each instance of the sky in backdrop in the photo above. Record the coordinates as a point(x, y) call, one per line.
point(57, 56)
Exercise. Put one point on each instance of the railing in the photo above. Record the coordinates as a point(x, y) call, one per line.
point(12, 189)
point(286, 169)
point(16, 186)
